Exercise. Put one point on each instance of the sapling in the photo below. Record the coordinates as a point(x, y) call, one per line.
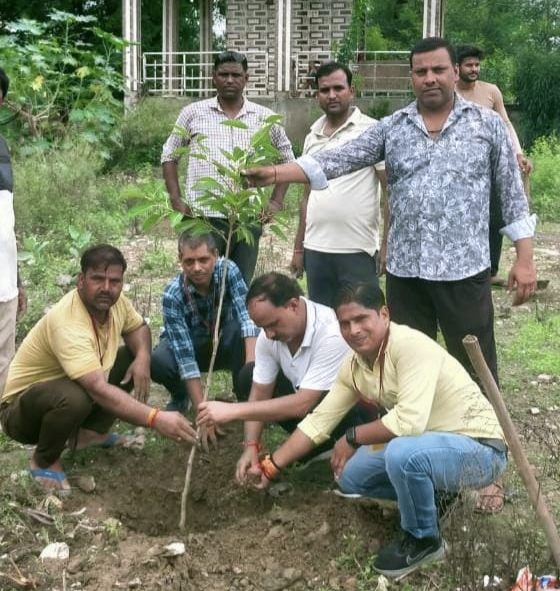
point(242, 207)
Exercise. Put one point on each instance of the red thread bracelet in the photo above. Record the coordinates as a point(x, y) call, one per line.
point(253, 443)
point(152, 417)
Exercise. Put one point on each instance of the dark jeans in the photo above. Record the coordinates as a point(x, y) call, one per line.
point(49, 414)
point(358, 415)
point(459, 307)
point(230, 356)
point(494, 236)
point(243, 254)
point(327, 272)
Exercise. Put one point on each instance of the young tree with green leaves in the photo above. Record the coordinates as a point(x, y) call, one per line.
point(229, 196)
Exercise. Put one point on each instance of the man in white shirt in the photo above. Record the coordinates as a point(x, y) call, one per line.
point(297, 357)
point(204, 120)
point(337, 238)
point(13, 300)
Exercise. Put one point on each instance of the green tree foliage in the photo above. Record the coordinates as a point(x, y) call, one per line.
point(58, 81)
point(545, 181)
point(537, 87)
point(109, 13)
point(491, 24)
point(520, 38)
point(381, 25)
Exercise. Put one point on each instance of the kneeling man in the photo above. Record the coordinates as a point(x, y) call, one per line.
point(441, 434)
point(66, 384)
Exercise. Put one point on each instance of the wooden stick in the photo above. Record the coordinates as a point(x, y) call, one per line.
point(474, 352)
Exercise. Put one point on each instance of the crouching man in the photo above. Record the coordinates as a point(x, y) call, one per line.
point(441, 434)
point(67, 382)
point(297, 357)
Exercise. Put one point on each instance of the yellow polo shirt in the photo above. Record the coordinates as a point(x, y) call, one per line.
point(424, 389)
point(65, 343)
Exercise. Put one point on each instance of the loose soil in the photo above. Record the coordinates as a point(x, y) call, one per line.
point(298, 535)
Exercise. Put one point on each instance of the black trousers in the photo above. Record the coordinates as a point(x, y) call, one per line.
point(327, 272)
point(49, 414)
point(243, 254)
point(458, 307)
point(230, 356)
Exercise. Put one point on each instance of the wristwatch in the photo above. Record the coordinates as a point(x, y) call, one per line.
point(351, 437)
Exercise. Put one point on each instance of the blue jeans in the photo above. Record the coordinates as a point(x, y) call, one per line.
point(411, 470)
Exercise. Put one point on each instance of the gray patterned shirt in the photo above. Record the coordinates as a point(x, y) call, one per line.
point(439, 189)
point(204, 118)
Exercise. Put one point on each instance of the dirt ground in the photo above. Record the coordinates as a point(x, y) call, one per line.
point(235, 539)
point(297, 536)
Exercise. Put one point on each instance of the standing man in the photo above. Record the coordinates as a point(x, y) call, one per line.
point(13, 300)
point(440, 435)
point(337, 238)
point(444, 156)
point(488, 95)
point(297, 357)
point(205, 118)
point(190, 312)
point(67, 382)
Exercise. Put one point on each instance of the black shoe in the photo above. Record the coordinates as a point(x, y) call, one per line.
point(406, 554)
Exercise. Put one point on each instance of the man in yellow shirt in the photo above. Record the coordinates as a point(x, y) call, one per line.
point(67, 382)
point(440, 435)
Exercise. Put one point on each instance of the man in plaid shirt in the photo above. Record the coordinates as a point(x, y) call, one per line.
point(190, 307)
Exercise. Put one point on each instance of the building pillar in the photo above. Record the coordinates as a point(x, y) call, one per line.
point(131, 12)
point(169, 44)
point(206, 8)
point(284, 47)
point(433, 18)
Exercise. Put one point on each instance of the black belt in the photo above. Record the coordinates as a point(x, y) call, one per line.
point(497, 444)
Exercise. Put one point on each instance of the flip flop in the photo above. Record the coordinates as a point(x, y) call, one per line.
point(110, 441)
point(52, 475)
point(118, 440)
point(490, 499)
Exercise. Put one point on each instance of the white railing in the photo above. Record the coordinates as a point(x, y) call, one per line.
point(376, 74)
point(189, 73)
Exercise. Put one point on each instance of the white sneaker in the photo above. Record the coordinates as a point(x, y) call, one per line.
point(344, 495)
point(325, 455)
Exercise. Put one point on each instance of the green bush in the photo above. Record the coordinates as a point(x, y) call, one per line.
point(143, 132)
point(64, 188)
point(537, 87)
point(545, 180)
point(65, 78)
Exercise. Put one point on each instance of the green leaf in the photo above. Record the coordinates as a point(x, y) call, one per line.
point(235, 123)
point(208, 184)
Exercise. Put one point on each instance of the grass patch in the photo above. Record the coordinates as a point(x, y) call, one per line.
point(534, 346)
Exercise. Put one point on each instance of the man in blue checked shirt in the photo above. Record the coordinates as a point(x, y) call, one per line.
point(190, 304)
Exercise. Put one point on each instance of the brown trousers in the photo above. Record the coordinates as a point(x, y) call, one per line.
point(49, 414)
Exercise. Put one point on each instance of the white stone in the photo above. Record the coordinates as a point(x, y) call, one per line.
point(55, 551)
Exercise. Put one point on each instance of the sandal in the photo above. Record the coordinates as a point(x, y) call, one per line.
point(491, 498)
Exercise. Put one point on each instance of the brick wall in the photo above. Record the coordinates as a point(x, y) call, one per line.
point(315, 25)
